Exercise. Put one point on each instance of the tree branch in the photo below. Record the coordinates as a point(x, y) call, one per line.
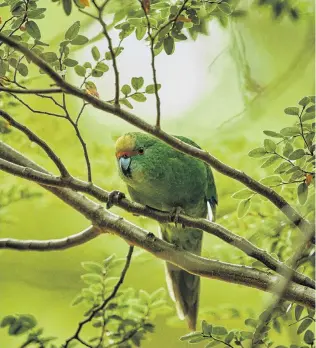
point(52, 244)
point(30, 91)
point(41, 143)
point(162, 217)
point(113, 56)
point(270, 194)
point(137, 236)
point(153, 66)
point(280, 289)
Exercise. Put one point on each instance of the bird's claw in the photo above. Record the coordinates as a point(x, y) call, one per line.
point(174, 215)
point(114, 197)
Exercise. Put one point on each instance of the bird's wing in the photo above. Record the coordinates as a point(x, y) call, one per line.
point(211, 193)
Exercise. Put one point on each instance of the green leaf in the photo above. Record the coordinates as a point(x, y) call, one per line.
point(219, 330)
point(246, 334)
point(91, 278)
point(80, 70)
point(251, 322)
point(206, 328)
point(270, 161)
point(168, 44)
point(90, 266)
point(95, 53)
point(282, 168)
point(159, 294)
point(309, 337)
point(269, 145)
point(308, 116)
point(70, 62)
point(198, 339)
point(126, 89)
point(4, 67)
point(258, 152)
point(302, 193)
point(79, 40)
point(212, 344)
point(190, 335)
point(150, 89)
point(67, 6)
point(293, 110)
point(298, 312)
point(102, 67)
point(149, 327)
point(243, 207)
point(310, 109)
point(243, 194)
point(140, 32)
point(137, 83)
point(73, 31)
point(117, 51)
point(33, 29)
point(8, 320)
point(288, 149)
point(290, 131)
point(271, 180)
point(78, 299)
point(49, 57)
point(304, 101)
point(229, 337)
point(126, 103)
point(23, 69)
point(299, 153)
point(272, 134)
point(36, 13)
point(139, 97)
point(225, 7)
point(304, 325)
point(276, 325)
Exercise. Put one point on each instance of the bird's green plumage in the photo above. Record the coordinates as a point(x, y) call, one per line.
point(164, 178)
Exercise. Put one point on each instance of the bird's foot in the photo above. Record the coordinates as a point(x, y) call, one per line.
point(174, 215)
point(114, 197)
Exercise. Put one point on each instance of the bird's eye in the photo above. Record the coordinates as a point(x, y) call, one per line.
point(141, 151)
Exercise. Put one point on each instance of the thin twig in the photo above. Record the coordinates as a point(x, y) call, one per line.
point(41, 143)
point(153, 66)
point(76, 336)
point(34, 110)
point(280, 289)
point(111, 49)
point(30, 91)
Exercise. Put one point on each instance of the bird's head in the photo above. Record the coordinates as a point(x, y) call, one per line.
point(131, 153)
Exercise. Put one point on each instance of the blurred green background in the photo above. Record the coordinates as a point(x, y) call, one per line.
point(263, 65)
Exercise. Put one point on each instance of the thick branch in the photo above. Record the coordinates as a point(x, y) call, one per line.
point(162, 217)
point(192, 263)
point(52, 244)
point(252, 184)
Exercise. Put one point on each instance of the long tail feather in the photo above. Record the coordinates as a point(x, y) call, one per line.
point(184, 288)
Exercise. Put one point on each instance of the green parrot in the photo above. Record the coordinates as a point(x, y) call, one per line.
point(165, 179)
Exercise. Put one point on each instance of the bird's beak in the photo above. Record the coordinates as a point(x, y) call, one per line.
point(124, 163)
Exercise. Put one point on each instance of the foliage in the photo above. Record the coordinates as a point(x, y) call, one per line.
point(293, 153)
point(125, 321)
point(283, 316)
point(288, 156)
